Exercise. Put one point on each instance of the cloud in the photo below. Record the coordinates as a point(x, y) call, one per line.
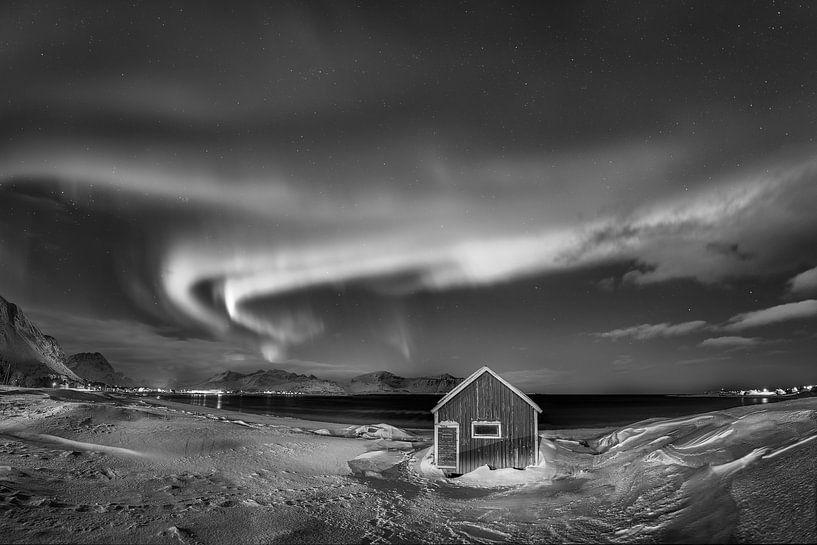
point(283, 327)
point(141, 351)
point(333, 371)
point(779, 313)
point(773, 315)
point(737, 229)
point(607, 284)
point(536, 379)
point(804, 283)
point(652, 331)
point(731, 342)
point(399, 335)
point(153, 357)
point(625, 363)
point(730, 250)
point(370, 197)
point(708, 359)
point(277, 235)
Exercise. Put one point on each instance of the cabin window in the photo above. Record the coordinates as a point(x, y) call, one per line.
point(486, 430)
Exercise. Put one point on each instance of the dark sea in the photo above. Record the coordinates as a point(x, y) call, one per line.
point(413, 410)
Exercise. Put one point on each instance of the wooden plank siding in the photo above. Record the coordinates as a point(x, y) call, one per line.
point(488, 399)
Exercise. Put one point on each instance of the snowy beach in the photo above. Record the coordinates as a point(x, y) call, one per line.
point(85, 467)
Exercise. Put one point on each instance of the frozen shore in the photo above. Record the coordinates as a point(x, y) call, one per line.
point(86, 467)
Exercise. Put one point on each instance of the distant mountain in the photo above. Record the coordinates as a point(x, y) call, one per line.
point(35, 358)
point(386, 382)
point(371, 383)
point(269, 379)
point(93, 366)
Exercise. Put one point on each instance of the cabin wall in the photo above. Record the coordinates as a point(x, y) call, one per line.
point(488, 399)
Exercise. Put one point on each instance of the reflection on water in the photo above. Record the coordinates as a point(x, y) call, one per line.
point(406, 411)
point(213, 401)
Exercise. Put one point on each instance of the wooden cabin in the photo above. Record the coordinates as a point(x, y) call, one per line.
point(485, 420)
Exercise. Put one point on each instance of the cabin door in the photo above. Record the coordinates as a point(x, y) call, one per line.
point(447, 446)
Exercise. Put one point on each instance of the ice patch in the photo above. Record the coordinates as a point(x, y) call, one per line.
point(383, 431)
point(481, 533)
point(784, 449)
point(372, 454)
point(662, 457)
point(729, 468)
point(630, 435)
point(52, 441)
point(636, 530)
point(705, 439)
point(426, 467)
point(376, 462)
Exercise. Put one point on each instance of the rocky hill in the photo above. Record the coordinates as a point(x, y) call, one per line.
point(386, 382)
point(269, 379)
point(35, 358)
point(380, 382)
point(93, 366)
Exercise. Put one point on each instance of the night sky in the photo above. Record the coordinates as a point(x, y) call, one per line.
point(587, 197)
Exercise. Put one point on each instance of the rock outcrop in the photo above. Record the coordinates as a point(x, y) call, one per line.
point(93, 366)
point(35, 359)
point(270, 379)
point(386, 382)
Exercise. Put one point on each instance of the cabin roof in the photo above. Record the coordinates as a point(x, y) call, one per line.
point(464, 384)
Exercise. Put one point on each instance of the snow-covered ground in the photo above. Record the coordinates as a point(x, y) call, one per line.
point(92, 467)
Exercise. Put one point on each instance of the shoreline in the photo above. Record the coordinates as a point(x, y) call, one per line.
point(112, 468)
point(261, 418)
point(556, 416)
point(581, 432)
